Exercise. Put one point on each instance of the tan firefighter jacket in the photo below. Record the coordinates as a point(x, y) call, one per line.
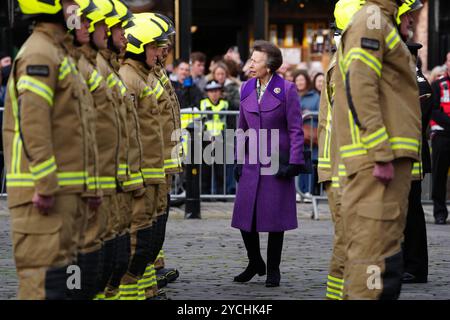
point(169, 121)
point(377, 107)
point(107, 120)
point(135, 76)
point(130, 151)
point(162, 75)
point(48, 129)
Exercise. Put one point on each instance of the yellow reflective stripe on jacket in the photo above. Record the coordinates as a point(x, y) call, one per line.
point(327, 144)
point(398, 143)
point(171, 163)
point(17, 141)
point(417, 168)
point(37, 87)
point(146, 92)
point(150, 173)
point(122, 87)
point(392, 39)
point(107, 182)
point(19, 180)
point(122, 170)
point(64, 69)
point(64, 179)
point(374, 139)
point(365, 57)
point(135, 178)
point(94, 81)
point(112, 80)
point(354, 130)
point(43, 169)
point(72, 178)
point(159, 90)
point(324, 163)
point(353, 150)
point(342, 171)
point(164, 79)
point(335, 182)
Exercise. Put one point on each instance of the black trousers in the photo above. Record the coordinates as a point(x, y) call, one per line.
point(441, 164)
point(274, 247)
point(415, 251)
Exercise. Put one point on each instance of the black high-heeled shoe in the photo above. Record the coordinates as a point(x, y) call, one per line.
point(273, 278)
point(250, 272)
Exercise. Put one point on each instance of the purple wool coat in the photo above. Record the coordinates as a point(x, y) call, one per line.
point(271, 199)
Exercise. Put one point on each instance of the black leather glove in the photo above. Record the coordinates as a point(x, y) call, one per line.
point(289, 171)
point(237, 172)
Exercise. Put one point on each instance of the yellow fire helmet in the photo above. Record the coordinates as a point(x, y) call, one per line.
point(143, 32)
point(40, 6)
point(161, 20)
point(120, 14)
point(96, 11)
point(345, 10)
point(408, 6)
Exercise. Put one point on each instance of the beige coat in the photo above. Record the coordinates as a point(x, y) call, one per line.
point(107, 120)
point(48, 125)
point(135, 77)
point(377, 107)
point(169, 119)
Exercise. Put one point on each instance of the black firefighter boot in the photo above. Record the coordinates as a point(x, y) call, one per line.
point(256, 263)
point(56, 284)
point(274, 249)
point(165, 275)
point(107, 265)
point(89, 264)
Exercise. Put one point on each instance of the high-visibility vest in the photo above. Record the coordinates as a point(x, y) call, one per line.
point(187, 118)
point(215, 123)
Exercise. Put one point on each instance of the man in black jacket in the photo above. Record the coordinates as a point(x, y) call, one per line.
point(188, 93)
point(415, 251)
point(440, 127)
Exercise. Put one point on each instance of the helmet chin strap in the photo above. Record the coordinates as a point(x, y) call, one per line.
point(111, 45)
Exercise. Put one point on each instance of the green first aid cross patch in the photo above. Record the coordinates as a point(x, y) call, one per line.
point(38, 70)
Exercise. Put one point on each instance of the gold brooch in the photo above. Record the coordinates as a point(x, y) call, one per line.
point(277, 90)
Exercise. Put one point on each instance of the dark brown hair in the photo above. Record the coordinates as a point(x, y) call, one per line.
point(304, 73)
point(198, 56)
point(274, 56)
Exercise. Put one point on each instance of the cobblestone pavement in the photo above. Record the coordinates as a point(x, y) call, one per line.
point(209, 253)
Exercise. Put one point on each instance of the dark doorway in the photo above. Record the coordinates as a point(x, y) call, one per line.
point(219, 25)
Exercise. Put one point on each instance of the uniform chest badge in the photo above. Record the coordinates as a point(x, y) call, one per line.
point(277, 90)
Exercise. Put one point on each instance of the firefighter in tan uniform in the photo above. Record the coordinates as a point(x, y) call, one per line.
point(108, 67)
point(328, 174)
point(102, 228)
point(329, 160)
point(378, 127)
point(139, 59)
point(172, 163)
point(50, 151)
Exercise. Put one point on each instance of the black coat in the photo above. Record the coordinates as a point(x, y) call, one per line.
point(189, 97)
point(426, 106)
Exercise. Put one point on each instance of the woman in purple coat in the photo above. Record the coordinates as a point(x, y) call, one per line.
point(269, 154)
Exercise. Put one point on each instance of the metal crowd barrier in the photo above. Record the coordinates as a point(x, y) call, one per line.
point(219, 179)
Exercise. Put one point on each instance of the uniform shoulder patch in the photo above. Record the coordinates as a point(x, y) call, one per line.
point(372, 44)
point(38, 70)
